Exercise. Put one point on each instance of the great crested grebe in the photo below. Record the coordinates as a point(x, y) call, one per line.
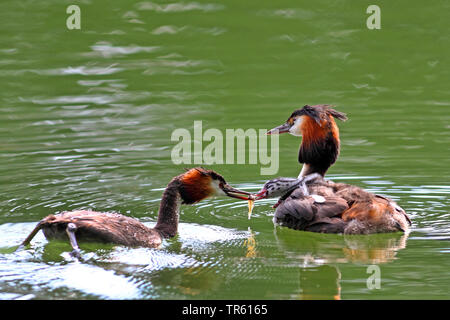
point(320, 136)
point(312, 203)
point(190, 187)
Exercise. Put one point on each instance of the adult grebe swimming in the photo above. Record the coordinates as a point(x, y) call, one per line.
point(187, 188)
point(312, 203)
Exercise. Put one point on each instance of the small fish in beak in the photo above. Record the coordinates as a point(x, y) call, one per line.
point(251, 205)
point(239, 194)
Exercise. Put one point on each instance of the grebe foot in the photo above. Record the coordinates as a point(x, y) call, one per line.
point(70, 230)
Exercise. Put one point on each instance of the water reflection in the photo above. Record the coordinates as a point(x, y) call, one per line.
point(319, 257)
point(250, 244)
point(312, 249)
point(320, 283)
point(191, 281)
point(374, 250)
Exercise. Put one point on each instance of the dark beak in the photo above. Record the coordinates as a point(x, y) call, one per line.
point(235, 193)
point(399, 227)
point(261, 195)
point(280, 129)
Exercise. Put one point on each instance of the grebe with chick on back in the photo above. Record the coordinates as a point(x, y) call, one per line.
point(188, 188)
point(310, 202)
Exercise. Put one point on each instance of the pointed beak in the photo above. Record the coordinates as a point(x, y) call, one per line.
point(261, 194)
point(280, 129)
point(235, 193)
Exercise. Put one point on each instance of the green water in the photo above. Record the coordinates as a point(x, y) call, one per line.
point(86, 119)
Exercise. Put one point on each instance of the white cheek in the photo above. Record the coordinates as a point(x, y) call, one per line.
point(216, 188)
point(295, 130)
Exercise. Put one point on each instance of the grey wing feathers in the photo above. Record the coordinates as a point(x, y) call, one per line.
point(304, 213)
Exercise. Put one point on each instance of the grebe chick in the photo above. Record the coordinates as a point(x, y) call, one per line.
point(187, 188)
point(283, 187)
point(340, 207)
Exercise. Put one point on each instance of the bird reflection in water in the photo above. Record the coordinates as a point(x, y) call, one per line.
point(319, 257)
point(250, 244)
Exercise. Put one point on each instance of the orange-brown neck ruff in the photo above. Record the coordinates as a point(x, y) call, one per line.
point(195, 186)
point(313, 132)
point(320, 144)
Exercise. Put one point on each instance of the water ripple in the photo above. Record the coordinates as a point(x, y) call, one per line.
point(179, 6)
point(107, 50)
